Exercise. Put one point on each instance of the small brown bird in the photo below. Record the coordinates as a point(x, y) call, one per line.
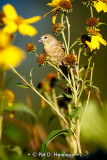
point(53, 49)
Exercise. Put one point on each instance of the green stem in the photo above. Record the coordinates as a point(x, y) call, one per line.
point(59, 70)
point(91, 9)
point(2, 86)
point(68, 24)
point(79, 54)
point(88, 94)
point(83, 83)
point(63, 35)
point(1, 117)
point(73, 45)
point(33, 88)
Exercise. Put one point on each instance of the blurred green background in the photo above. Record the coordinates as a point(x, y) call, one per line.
point(30, 8)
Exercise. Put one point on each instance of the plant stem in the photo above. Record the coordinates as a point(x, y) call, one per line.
point(2, 85)
point(1, 117)
point(88, 94)
point(59, 70)
point(79, 54)
point(33, 88)
point(68, 24)
point(91, 9)
point(89, 61)
point(73, 45)
point(63, 35)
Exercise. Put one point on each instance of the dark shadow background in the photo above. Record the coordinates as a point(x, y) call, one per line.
point(30, 8)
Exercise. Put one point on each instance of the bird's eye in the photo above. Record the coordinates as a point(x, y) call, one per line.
point(46, 37)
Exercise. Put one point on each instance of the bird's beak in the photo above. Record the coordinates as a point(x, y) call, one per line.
point(41, 40)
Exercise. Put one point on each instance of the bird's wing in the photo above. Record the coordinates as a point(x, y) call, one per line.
point(61, 46)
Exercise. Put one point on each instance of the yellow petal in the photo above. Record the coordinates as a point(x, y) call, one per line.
point(10, 28)
point(95, 43)
point(49, 12)
point(26, 29)
point(11, 55)
point(54, 18)
point(4, 39)
point(100, 6)
point(32, 19)
point(101, 40)
point(9, 11)
point(89, 45)
point(9, 95)
point(54, 3)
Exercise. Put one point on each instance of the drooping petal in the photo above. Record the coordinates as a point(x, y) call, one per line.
point(26, 29)
point(10, 28)
point(101, 40)
point(54, 18)
point(49, 12)
point(32, 19)
point(54, 3)
point(100, 6)
point(11, 55)
point(4, 39)
point(10, 11)
point(89, 45)
point(95, 43)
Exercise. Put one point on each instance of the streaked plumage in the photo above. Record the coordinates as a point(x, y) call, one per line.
point(53, 49)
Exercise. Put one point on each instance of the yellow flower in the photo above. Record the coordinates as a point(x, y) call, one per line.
point(9, 54)
point(9, 96)
point(14, 22)
point(58, 4)
point(100, 5)
point(95, 42)
point(9, 99)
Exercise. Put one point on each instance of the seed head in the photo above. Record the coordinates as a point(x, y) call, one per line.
point(71, 59)
point(91, 22)
point(30, 47)
point(41, 59)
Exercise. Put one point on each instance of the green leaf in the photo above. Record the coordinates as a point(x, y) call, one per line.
point(51, 136)
point(67, 95)
point(20, 107)
point(89, 86)
point(75, 112)
point(22, 86)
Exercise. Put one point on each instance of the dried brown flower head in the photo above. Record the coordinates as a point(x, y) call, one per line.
point(41, 59)
point(104, 1)
point(57, 28)
point(1, 16)
point(91, 22)
point(65, 4)
point(30, 47)
point(71, 59)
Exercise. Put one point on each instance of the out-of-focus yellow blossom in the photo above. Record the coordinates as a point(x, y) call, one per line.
point(9, 96)
point(9, 54)
point(95, 42)
point(57, 4)
point(100, 5)
point(15, 22)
